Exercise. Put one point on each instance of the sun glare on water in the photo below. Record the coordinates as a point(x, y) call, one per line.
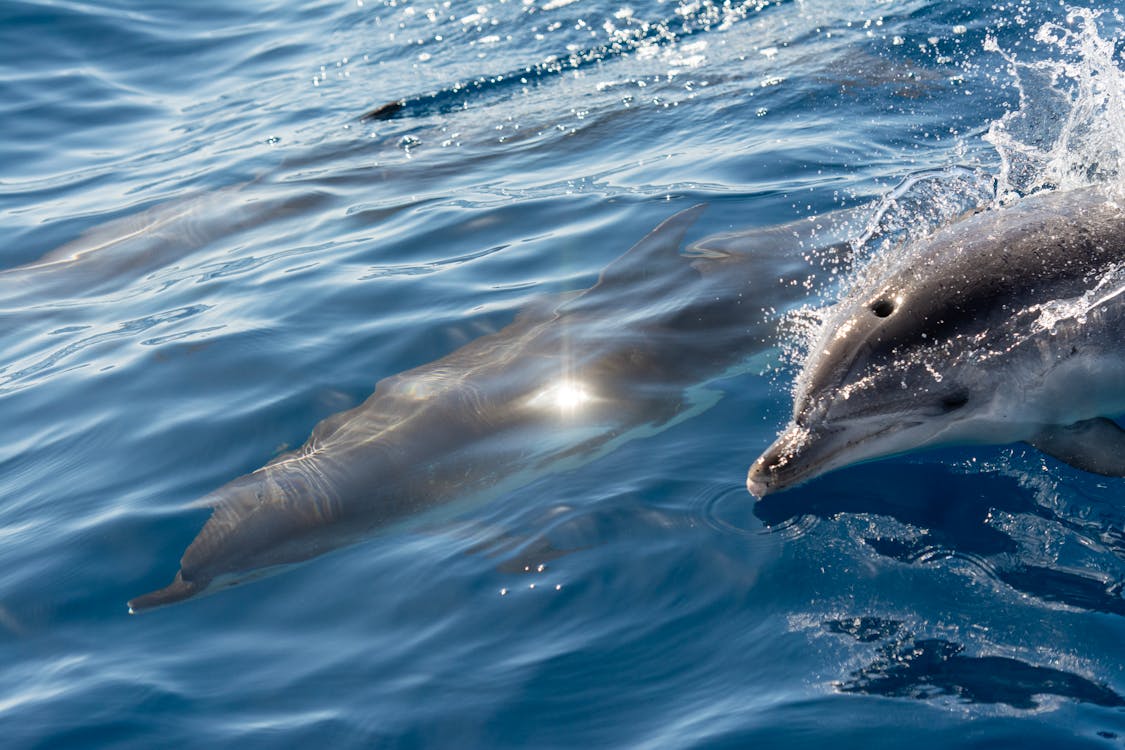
point(565, 396)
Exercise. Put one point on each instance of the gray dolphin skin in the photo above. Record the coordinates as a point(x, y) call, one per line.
point(562, 384)
point(129, 247)
point(1006, 326)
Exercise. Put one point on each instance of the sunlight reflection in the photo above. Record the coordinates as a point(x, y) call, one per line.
point(565, 396)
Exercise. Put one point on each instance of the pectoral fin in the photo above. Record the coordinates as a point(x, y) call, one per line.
point(1094, 445)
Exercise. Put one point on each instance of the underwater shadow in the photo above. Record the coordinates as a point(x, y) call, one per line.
point(953, 513)
point(925, 668)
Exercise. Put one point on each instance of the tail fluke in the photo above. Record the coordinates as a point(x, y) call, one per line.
point(176, 591)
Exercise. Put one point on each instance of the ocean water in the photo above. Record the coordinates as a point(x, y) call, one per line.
point(206, 251)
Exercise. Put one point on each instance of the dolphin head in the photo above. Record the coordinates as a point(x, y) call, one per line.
point(947, 343)
point(900, 367)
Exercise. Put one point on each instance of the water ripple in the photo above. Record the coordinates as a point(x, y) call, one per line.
point(23, 374)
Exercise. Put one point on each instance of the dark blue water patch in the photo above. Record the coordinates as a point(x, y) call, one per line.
point(926, 668)
point(954, 517)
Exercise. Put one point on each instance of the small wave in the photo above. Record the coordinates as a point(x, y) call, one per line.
point(727, 509)
point(63, 357)
point(625, 34)
point(795, 527)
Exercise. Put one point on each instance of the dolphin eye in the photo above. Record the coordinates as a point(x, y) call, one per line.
point(882, 308)
point(954, 401)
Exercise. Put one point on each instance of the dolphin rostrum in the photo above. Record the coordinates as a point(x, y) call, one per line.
point(562, 384)
point(1006, 326)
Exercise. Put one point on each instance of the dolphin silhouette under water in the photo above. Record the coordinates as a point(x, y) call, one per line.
point(562, 384)
point(1006, 326)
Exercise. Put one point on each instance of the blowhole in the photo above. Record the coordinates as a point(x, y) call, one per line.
point(954, 401)
point(882, 308)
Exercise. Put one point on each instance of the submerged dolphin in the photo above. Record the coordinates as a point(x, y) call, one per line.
point(1006, 326)
point(560, 385)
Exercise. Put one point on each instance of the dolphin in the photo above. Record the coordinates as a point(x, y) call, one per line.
point(1003, 327)
point(567, 381)
point(128, 248)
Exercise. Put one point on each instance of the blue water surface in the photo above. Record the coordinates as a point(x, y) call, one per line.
point(257, 256)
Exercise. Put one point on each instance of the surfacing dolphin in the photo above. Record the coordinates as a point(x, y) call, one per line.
point(1006, 326)
point(561, 385)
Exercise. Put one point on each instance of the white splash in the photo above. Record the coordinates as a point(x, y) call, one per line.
point(1069, 129)
point(1109, 287)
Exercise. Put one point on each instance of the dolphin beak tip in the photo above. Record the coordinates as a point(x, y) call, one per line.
point(755, 484)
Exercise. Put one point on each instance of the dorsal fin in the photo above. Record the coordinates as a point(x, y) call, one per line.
point(784, 249)
point(651, 265)
point(653, 254)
